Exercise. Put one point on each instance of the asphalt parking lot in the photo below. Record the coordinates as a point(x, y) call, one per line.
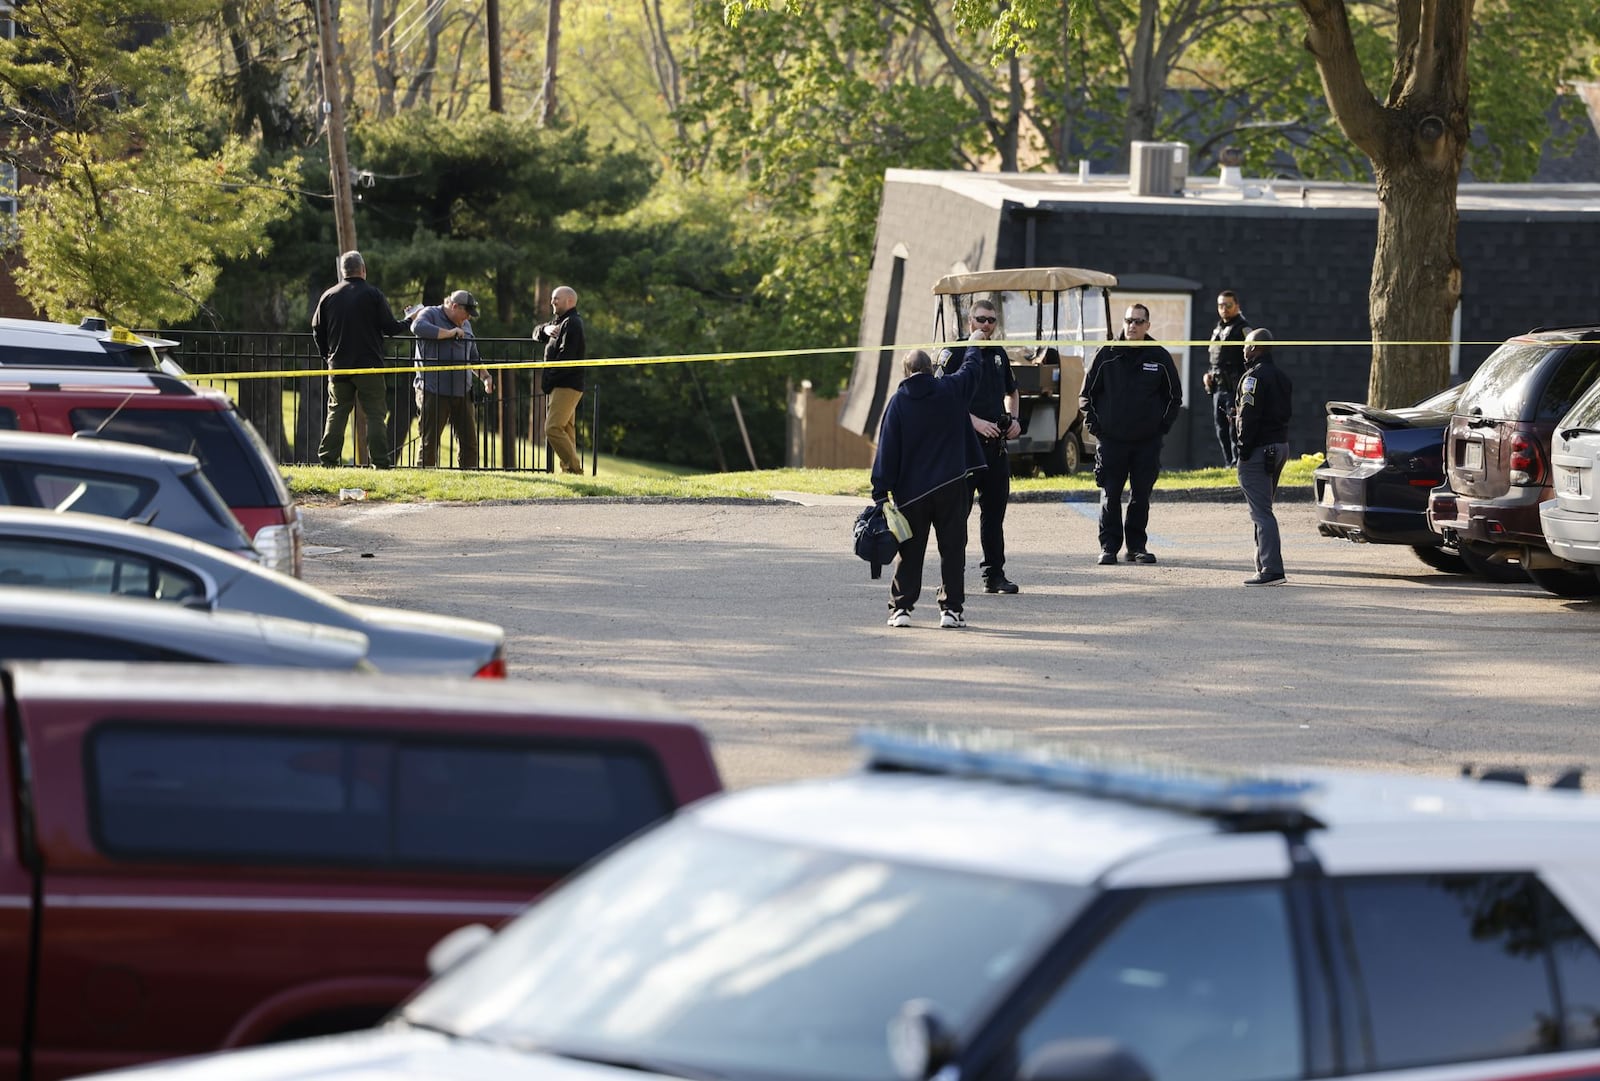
point(758, 622)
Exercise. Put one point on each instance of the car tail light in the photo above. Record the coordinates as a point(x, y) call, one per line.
point(279, 547)
point(1527, 464)
point(495, 669)
point(1356, 444)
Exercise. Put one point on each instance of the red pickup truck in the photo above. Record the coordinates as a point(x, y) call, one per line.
point(196, 858)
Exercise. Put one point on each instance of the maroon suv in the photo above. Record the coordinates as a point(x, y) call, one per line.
point(1497, 456)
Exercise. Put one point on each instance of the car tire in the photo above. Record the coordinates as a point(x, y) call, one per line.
point(1566, 583)
point(1481, 565)
point(1441, 559)
point(1064, 458)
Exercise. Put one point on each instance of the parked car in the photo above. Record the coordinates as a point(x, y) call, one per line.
point(92, 554)
point(154, 409)
point(1378, 467)
point(190, 862)
point(44, 624)
point(1497, 455)
point(118, 480)
point(1008, 913)
point(1571, 520)
point(40, 343)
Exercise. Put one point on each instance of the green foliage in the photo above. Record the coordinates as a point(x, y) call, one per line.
point(135, 204)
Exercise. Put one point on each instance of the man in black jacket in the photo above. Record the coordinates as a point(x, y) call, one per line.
point(1130, 400)
point(349, 325)
point(1227, 368)
point(563, 338)
point(926, 449)
point(994, 406)
point(1265, 406)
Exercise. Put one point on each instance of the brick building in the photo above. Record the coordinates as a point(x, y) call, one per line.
point(1299, 254)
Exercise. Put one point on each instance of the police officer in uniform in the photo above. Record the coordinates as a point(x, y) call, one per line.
point(994, 417)
point(1227, 368)
point(1265, 407)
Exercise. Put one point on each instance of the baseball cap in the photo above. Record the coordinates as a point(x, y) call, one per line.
point(464, 299)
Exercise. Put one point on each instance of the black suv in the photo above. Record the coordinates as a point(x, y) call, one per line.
point(1497, 456)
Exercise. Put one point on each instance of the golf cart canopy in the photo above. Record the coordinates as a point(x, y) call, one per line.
point(1023, 279)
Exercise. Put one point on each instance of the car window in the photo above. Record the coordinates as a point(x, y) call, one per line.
point(1585, 412)
point(1199, 985)
point(205, 494)
point(1453, 968)
point(85, 491)
point(746, 957)
point(33, 644)
point(8, 420)
point(369, 799)
point(1499, 387)
point(1569, 381)
point(87, 568)
point(230, 460)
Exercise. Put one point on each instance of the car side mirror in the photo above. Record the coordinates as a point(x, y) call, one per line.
point(456, 947)
point(921, 1042)
point(1089, 1059)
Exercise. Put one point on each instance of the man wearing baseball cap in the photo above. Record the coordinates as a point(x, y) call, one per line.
point(446, 358)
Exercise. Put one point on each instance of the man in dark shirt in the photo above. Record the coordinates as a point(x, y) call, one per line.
point(563, 338)
point(1227, 368)
point(349, 325)
point(1265, 407)
point(1130, 400)
point(993, 415)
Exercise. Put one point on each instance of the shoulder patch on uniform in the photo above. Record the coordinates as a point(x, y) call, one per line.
point(1248, 384)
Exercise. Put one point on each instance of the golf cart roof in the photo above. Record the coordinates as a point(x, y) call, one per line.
point(1045, 279)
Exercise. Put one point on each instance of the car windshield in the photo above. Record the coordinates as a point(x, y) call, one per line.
point(1442, 402)
point(702, 953)
point(1498, 390)
point(1585, 412)
point(232, 465)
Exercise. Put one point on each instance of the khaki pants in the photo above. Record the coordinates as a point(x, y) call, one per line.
point(561, 427)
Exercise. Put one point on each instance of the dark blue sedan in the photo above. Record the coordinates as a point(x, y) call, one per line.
point(1379, 467)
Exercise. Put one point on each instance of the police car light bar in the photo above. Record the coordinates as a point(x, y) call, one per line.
point(1246, 800)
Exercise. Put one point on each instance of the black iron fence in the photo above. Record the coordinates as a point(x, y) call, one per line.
point(289, 410)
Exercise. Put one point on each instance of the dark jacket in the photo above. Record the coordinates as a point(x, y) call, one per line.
point(349, 325)
point(1265, 404)
point(1131, 393)
point(926, 440)
point(433, 351)
point(1227, 361)
point(996, 381)
point(565, 344)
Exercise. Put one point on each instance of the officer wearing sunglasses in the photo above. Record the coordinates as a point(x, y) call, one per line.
point(1131, 398)
point(994, 417)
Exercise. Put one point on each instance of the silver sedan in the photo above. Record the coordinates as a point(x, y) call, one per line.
point(91, 554)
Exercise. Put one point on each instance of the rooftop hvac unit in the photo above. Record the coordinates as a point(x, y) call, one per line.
point(1158, 168)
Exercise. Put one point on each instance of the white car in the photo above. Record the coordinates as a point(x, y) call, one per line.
point(1005, 913)
point(1571, 520)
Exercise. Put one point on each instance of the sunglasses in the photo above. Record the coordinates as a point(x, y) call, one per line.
point(1136, 321)
point(983, 318)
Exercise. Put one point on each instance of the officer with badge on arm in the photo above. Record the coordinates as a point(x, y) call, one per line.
point(1264, 408)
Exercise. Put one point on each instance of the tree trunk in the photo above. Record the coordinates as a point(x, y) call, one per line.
point(1416, 282)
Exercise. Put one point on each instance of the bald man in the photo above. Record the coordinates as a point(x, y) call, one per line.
point(563, 338)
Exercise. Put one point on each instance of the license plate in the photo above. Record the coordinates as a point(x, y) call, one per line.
point(1572, 483)
point(1472, 456)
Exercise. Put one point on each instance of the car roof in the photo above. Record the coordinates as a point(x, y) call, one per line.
point(44, 447)
point(227, 637)
point(93, 335)
point(1058, 815)
point(416, 695)
point(101, 379)
point(114, 531)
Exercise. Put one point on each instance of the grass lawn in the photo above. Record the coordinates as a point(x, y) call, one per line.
point(622, 478)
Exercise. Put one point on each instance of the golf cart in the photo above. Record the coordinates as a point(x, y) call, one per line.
point(1050, 312)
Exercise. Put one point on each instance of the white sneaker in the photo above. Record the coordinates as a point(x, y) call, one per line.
point(952, 618)
point(899, 618)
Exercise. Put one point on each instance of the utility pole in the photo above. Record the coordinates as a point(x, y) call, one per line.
point(491, 21)
point(344, 211)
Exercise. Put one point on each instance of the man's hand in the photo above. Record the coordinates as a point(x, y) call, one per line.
point(1209, 381)
point(488, 383)
point(1015, 429)
point(978, 335)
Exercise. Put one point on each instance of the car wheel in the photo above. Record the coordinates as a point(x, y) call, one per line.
point(1565, 583)
point(1481, 565)
point(1063, 458)
point(1441, 559)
